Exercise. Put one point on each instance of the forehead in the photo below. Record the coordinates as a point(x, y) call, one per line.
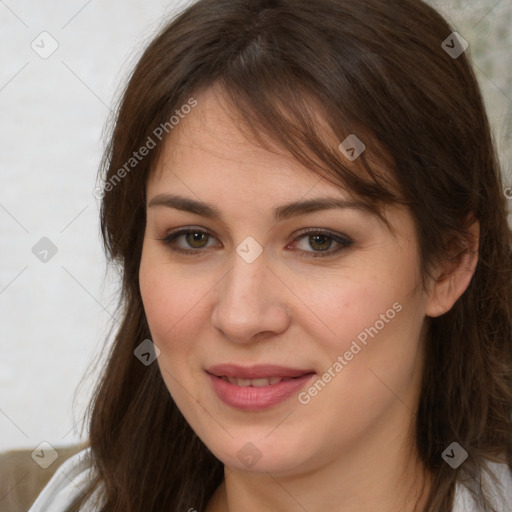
point(211, 143)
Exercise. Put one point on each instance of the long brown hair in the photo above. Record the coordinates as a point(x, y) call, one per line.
point(376, 69)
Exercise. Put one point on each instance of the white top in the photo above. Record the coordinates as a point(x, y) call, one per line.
point(69, 481)
point(72, 476)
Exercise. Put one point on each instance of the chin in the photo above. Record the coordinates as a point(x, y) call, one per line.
point(263, 456)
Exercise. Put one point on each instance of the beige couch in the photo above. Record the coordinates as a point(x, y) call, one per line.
point(22, 479)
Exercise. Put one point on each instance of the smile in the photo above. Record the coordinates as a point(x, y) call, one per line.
point(255, 383)
point(257, 387)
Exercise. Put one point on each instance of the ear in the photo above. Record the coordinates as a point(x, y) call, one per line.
point(454, 273)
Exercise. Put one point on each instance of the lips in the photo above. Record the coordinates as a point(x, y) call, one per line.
point(257, 387)
point(257, 393)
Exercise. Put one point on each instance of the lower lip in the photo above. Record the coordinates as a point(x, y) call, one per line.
point(250, 398)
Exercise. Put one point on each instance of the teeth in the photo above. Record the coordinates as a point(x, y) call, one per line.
point(240, 382)
point(255, 383)
point(258, 383)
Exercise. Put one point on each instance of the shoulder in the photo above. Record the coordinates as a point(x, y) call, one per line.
point(499, 490)
point(67, 484)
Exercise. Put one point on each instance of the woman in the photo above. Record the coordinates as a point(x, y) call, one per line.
point(305, 204)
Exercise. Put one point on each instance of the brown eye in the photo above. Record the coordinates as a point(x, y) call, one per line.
point(196, 239)
point(187, 241)
point(321, 243)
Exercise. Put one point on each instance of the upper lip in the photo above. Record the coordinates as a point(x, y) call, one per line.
point(260, 371)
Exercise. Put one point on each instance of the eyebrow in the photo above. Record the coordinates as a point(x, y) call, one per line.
point(280, 213)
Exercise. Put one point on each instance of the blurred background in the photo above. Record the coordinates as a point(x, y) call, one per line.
point(63, 65)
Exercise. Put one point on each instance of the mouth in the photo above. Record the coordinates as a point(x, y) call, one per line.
point(255, 383)
point(256, 387)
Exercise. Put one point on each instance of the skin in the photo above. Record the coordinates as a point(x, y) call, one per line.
point(348, 449)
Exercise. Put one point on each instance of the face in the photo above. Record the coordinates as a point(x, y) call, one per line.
point(289, 336)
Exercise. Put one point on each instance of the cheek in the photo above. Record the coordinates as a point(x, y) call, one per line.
point(175, 304)
point(374, 315)
point(167, 295)
point(170, 303)
point(159, 297)
point(379, 299)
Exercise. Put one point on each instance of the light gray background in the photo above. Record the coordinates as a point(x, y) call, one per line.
point(55, 315)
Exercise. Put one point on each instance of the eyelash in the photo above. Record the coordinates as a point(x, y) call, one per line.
point(344, 242)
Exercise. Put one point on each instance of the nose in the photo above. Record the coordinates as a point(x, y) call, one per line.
point(251, 301)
